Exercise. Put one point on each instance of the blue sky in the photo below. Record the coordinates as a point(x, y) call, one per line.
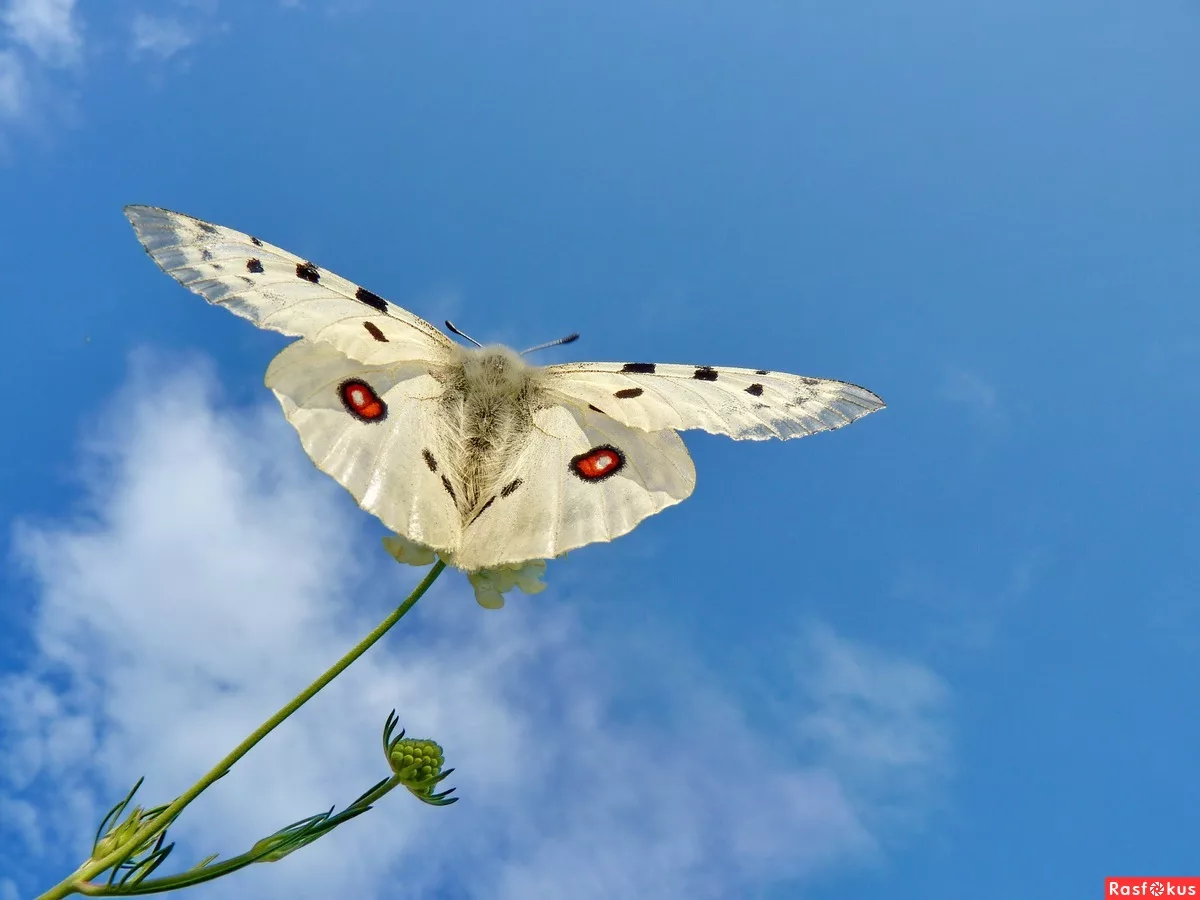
point(949, 651)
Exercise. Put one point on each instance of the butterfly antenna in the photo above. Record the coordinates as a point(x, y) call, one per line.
point(563, 340)
point(450, 325)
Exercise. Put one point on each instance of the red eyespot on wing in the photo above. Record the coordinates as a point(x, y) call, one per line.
point(598, 463)
point(361, 401)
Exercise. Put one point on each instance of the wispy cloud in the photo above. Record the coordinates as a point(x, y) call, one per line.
point(48, 28)
point(13, 86)
point(43, 51)
point(956, 616)
point(878, 721)
point(38, 35)
point(211, 572)
point(160, 36)
point(978, 395)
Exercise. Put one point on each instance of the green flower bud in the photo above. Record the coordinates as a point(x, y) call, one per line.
point(416, 764)
point(118, 836)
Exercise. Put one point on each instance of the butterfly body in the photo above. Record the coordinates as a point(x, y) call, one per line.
point(473, 451)
point(489, 397)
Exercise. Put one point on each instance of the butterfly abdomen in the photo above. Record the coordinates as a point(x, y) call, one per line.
point(488, 402)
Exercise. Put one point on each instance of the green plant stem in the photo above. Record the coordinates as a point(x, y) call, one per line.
point(73, 883)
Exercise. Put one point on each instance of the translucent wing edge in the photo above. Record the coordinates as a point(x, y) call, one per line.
point(818, 404)
point(168, 236)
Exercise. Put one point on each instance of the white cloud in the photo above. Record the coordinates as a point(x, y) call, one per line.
point(40, 35)
point(212, 572)
point(13, 87)
point(46, 27)
point(877, 721)
point(159, 36)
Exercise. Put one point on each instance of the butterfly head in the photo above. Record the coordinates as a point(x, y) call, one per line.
point(495, 369)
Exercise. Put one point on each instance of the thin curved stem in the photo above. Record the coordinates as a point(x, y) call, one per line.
point(72, 883)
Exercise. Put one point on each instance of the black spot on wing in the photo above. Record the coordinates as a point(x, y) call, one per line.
point(373, 330)
point(449, 489)
point(507, 490)
point(256, 242)
point(206, 254)
point(705, 373)
point(628, 393)
point(308, 272)
point(594, 408)
point(762, 372)
point(254, 265)
point(755, 390)
point(429, 460)
point(362, 295)
point(482, 510)
point(640, 368)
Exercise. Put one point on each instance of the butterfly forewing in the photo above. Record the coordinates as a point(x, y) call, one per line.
point(277, 290)
point(748, 404)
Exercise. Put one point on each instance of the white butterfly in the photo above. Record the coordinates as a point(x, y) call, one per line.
point(472, 451)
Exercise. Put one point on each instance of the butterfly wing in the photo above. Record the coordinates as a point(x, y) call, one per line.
point(361, 391)
point(277, 290)
point(374, 429)
point(580, 477)
point(747, 404)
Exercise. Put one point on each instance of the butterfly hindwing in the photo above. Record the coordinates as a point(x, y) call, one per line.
point(375, 431)
point(747, 404)
point(581, 477)
point(277, 290)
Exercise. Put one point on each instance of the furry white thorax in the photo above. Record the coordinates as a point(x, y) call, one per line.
point(488, 400)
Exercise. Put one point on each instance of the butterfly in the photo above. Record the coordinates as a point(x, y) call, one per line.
point(471, 450)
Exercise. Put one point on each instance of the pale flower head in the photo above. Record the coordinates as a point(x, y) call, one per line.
point(405, 551)
point(490, 584)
